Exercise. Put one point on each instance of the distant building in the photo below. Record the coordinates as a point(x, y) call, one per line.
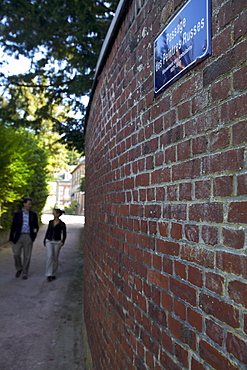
point(60, 190)
point(76, 194)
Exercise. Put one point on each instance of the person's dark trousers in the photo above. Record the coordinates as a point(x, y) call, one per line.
point(23, 246)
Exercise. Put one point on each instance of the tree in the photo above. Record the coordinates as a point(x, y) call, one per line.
point(24, 108)
point(63, 40)
point(23, 171)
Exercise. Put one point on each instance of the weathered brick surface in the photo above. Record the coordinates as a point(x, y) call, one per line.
point(166, 201)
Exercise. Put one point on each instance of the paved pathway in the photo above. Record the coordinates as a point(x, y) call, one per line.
point(41, 322)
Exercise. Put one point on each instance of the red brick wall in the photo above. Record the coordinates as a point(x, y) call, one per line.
point(166, 205)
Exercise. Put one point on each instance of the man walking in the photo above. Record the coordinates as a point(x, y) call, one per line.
point(23, 233)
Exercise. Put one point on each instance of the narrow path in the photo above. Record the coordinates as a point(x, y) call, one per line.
point(41, 322)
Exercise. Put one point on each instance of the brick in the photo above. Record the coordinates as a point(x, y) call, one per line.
point(177, 212)
point(169, 119)
point(185, 191)
point(192, 233)
point(156, 294)
point(233, 238)
point(166, 201)
point(195, 276)
point(149, 360)
point(195, 319)
point(186, 89)
point(219, 309)
point(172, 193)
point(149, 163)
point(234, 109)
point(202, 122)
point(167, 301)
point(183, 291)
point(186, 170)
point(221, 42)
point(210, 235)
point(152, 227)
point(231, 160)
point(167, 265)
point(180, 309)
point(215, 283)
point(183, 110)
point(150, 194)
point(215, 332)
point(237, 347)
point(158, 125)
point(237, 212)
point(180, 269)
point(176, 231)
point(170, 155)
point(242, 184)
point(157, 262)
point(202, 189)
point(156, 334)
point(240, 26)
point(167, 247)
point(150, 146)
point(223, 186)
point(224, 64)
point(159, 158)
point(153, 211)
point(199, 145)
point(183, 150)
point(167, 362)
point(229, 11)
point(181, 355)
point(214, 358)
point(219, 140)
point(157, 279)
point(181, 331)
point(200, 256)
point(163, 228)
point(160, 176)
point(240, 79)
point(172, 136)
point(195, 365)
point(221, 89)
point(142, 180)
point(157, 314)
point(167, 343)
point(207, 212)
point(238, 292)
point(160, 194)
point(239, 133)
point(232, 263)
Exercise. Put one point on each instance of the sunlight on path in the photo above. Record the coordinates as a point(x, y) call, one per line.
point(68, 219)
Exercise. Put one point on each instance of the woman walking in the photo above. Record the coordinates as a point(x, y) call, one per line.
point(54, 239)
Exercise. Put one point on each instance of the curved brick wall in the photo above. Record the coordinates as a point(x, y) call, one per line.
point(166, 205)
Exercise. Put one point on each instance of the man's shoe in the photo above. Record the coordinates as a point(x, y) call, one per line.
point(24, 277)
point(18, 273)
point(49, 278)
point(53, 277)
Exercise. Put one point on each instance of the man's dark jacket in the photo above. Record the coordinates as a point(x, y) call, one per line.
point(15, 231)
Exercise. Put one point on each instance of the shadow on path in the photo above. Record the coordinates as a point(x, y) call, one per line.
point(41, 322)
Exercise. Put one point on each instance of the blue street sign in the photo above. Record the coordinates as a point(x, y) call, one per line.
point(184, 42)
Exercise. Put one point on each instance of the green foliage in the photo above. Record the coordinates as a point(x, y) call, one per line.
point(73, 157)
point(63, 39)
point(72, 209)
point(22, 171)
point(26, 107)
